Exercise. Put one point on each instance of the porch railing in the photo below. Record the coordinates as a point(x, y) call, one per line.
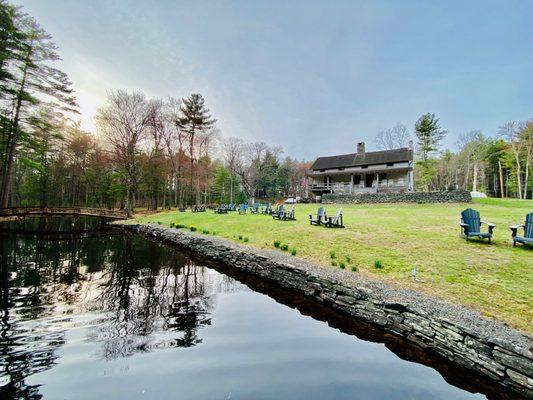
point(347, 187)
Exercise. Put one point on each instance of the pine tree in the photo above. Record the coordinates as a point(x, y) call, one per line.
point(429, 135)
point(194, 119)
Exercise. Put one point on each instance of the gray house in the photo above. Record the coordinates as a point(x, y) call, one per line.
point(363, 172)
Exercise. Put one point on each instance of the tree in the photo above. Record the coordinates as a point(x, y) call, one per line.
point(510, 131)
point(429, 135)
point(393, 138)
point(194, 119)
point(474, 149)
point(124, 122)
point(33, 81)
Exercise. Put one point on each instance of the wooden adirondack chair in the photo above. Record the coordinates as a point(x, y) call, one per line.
point(289, 215)
point(336, 221)
point(255, 208)
point(528, 231)
point(320, 217)
point(279, 213)
point(471, 225)
point(242, 209)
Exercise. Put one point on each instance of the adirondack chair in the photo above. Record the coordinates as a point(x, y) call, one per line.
point(242, 209)
point(320, 217)
point(289, 215)
point(528, 231)
point(471, 225)
point(255, 208)
point(279, 213)
point(336, 221)
point(222, 209)
point(268, 209)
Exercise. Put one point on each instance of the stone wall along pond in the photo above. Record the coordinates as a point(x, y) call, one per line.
point(456, 333)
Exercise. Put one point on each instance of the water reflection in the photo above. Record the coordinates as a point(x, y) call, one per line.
point(137, 289)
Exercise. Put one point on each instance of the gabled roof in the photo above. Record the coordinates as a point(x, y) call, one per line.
point(367, 158)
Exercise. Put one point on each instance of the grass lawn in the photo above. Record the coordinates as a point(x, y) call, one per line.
point(495, 279)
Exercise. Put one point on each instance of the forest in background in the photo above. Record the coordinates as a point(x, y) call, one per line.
point(169, 152)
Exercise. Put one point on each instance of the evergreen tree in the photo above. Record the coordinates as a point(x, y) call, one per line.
point(194, 119)
point(429, 135)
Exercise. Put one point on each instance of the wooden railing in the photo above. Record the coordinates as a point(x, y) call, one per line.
point(80, 211)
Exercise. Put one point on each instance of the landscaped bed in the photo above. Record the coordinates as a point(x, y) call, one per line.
point(387, 241)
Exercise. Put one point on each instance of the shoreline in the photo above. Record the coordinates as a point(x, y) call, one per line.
point(458, 334)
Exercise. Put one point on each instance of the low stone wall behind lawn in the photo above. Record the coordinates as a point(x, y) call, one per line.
point(455, 196)
point(458, 334)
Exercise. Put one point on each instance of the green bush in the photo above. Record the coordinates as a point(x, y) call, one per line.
point(293, 252)
point(334, 263)
point(205, 231)
point(284, 247)
point(245, 239)
point(342, 265)
point(214, 232)
point(193, 228)
point(354, 268)
point(171, 224)
point(277, 243)
point(240, 237)
point(348, 259)
point(158, 222)
point(332, 254)
point(378, 264)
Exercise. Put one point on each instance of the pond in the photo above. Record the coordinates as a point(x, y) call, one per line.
point(111, 315)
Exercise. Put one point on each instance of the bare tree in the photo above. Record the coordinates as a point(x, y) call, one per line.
point(232, 150)
point(510, 131)
point(393, 138)
point(123, 123)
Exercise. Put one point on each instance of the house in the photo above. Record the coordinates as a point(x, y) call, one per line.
point(363, 172)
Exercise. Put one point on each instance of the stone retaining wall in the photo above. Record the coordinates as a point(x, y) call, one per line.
point(455, 196)
point(458, 334)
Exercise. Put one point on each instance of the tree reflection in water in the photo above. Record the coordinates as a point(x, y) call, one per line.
point(142, 296)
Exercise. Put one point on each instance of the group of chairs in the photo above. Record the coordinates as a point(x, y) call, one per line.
point(329, 222)
point(225, 208)
point(471, 228)
point(199, 208)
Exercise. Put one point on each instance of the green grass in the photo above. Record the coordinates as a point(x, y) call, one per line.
point(496, 280)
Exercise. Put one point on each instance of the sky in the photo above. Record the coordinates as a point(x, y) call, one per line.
point(314, 77)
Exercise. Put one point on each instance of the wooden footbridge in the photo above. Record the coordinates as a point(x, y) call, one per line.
point(21, 212)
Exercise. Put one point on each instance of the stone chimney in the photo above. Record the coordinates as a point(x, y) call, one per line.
point(361, 148)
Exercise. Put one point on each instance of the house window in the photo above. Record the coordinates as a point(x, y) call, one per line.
point(357, 179)
point(390, 164)
point(382, 176)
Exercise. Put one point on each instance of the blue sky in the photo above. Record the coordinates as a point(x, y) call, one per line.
point(313, 76)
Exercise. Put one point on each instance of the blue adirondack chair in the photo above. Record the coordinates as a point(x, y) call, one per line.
point(242, 209)
point(471, 225)
point(320, 217)
point(528, 231)
point(289, 215)
point(279, 213)
point(255, 208)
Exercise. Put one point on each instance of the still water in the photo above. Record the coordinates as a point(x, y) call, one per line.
point(115, 316)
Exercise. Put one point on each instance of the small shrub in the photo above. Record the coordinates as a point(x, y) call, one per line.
point(172, 224)
point(284, 247)
point(245, 239)
point(277, 243)
point(342, 265)
point(354, 268)
point(193, 228)
point(348, 259)
point(378, 264)
point(205, 231)
point(334, 263)
point(293, 252)
point(332, 255)
point(240, 237)
point(180, 226)
point(158, 222)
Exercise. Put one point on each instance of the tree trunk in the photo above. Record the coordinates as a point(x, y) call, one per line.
point(474, 180)
point(502, 194)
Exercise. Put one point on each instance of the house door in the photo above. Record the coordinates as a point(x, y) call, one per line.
point(369, 178)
